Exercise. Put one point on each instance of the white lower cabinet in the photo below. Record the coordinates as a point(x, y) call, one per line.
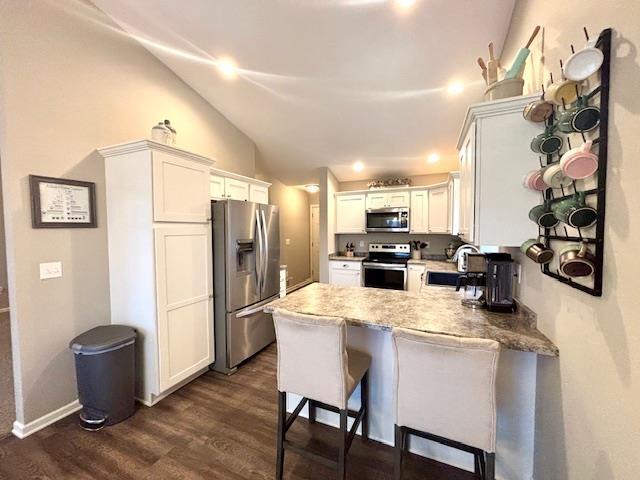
point(415, 277)
point(184, 292)
point(347, 274)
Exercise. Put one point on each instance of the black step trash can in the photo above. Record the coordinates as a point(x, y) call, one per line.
point(105, 370)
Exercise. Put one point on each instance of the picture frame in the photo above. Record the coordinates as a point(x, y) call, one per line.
point(62, 203)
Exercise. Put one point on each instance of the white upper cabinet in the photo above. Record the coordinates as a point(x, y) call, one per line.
point(350, 213)
point(226, 185)
point(180, 189)
point(259, 194)
point(454, 203)
point(494, 157)
point(419, 221)
point(388, 199)
point(439, 210)
point(377, 200)
point(216, 187)
point(236, 189)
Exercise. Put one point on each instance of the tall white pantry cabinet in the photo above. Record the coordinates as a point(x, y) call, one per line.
point(160, 267)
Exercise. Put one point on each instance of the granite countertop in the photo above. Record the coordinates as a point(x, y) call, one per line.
point(344, 258)
point(435, 265)
point(434, 309)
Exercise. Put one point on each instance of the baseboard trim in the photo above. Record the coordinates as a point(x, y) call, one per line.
point(21, 430)
point(298, 286)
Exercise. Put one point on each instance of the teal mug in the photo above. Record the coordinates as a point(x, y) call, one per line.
point(579, 117)
point(543, 216)
point(547, 143)
point(575, 212)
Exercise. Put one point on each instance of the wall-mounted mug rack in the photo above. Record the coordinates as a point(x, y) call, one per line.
point(555, 238)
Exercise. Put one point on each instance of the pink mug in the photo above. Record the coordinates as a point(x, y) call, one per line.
point(533, 180)
point(579, 162)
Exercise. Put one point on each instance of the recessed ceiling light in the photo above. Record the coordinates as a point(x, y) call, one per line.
point(405, 4)
point(312, 188)
point(227, 68)
point(433, 158)
point(358, 166)
point(455, 88)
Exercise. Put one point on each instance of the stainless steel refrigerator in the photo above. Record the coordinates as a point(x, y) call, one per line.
point(246, 266)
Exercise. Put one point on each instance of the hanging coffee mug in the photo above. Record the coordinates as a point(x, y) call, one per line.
point(577, 261)
point(575, 212)
point(543, 216)
point(579, 162)
point(583, 63)
point(533, 180)
point(555, 177)
point(563, 93)
point(537, 251)
point(547, 142)
point(580, 117)
point(538, 111)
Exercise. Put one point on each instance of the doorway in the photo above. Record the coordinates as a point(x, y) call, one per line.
point(314, 236)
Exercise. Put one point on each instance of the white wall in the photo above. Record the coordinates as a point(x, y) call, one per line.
point(588, 400)
point(328, 187)
point(69, 84)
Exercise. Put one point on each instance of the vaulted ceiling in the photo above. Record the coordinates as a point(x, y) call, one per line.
point(329, 82)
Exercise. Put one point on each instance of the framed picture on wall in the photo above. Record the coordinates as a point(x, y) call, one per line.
point(62, 203)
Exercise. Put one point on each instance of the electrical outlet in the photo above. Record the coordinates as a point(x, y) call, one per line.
point(361, 244)
point(427, 244)
point(50, 270)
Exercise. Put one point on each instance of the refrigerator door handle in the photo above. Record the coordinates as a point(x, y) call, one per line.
point(265, 267)
point(259, 253)
point(255, 309)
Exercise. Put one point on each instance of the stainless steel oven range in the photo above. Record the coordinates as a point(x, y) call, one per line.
point(386, 266)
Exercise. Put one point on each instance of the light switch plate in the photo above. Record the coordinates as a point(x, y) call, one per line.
point(50, 270)
point(287, 241)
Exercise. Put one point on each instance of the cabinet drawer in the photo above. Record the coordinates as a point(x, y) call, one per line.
point(335, 265)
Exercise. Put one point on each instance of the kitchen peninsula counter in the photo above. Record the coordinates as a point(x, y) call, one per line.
point(434, 309)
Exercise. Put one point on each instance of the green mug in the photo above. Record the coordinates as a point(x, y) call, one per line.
point(543, 216)
point(575, 212)
point(579, 117)
point(547, 143)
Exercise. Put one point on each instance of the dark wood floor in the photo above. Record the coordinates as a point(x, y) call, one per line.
point(216, 427)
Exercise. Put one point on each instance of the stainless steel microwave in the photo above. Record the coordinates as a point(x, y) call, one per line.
point(387, 220)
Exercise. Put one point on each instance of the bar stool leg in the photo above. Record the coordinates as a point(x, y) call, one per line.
point(282, 418)
point(364, 400)
point(477, 469)
point(398, 452)
point(342, 459)
point(490, 472)
point(312, 411)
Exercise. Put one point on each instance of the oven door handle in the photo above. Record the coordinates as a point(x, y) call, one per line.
point(384, 266)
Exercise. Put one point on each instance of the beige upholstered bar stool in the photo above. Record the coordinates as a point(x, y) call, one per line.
point(446, 392)
point(314, 362)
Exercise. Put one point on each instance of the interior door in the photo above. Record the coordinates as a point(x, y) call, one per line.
point(270, 217)
point(315, 243)
point(184, 290)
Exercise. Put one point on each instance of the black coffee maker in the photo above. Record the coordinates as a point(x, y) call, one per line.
point(499, 283)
